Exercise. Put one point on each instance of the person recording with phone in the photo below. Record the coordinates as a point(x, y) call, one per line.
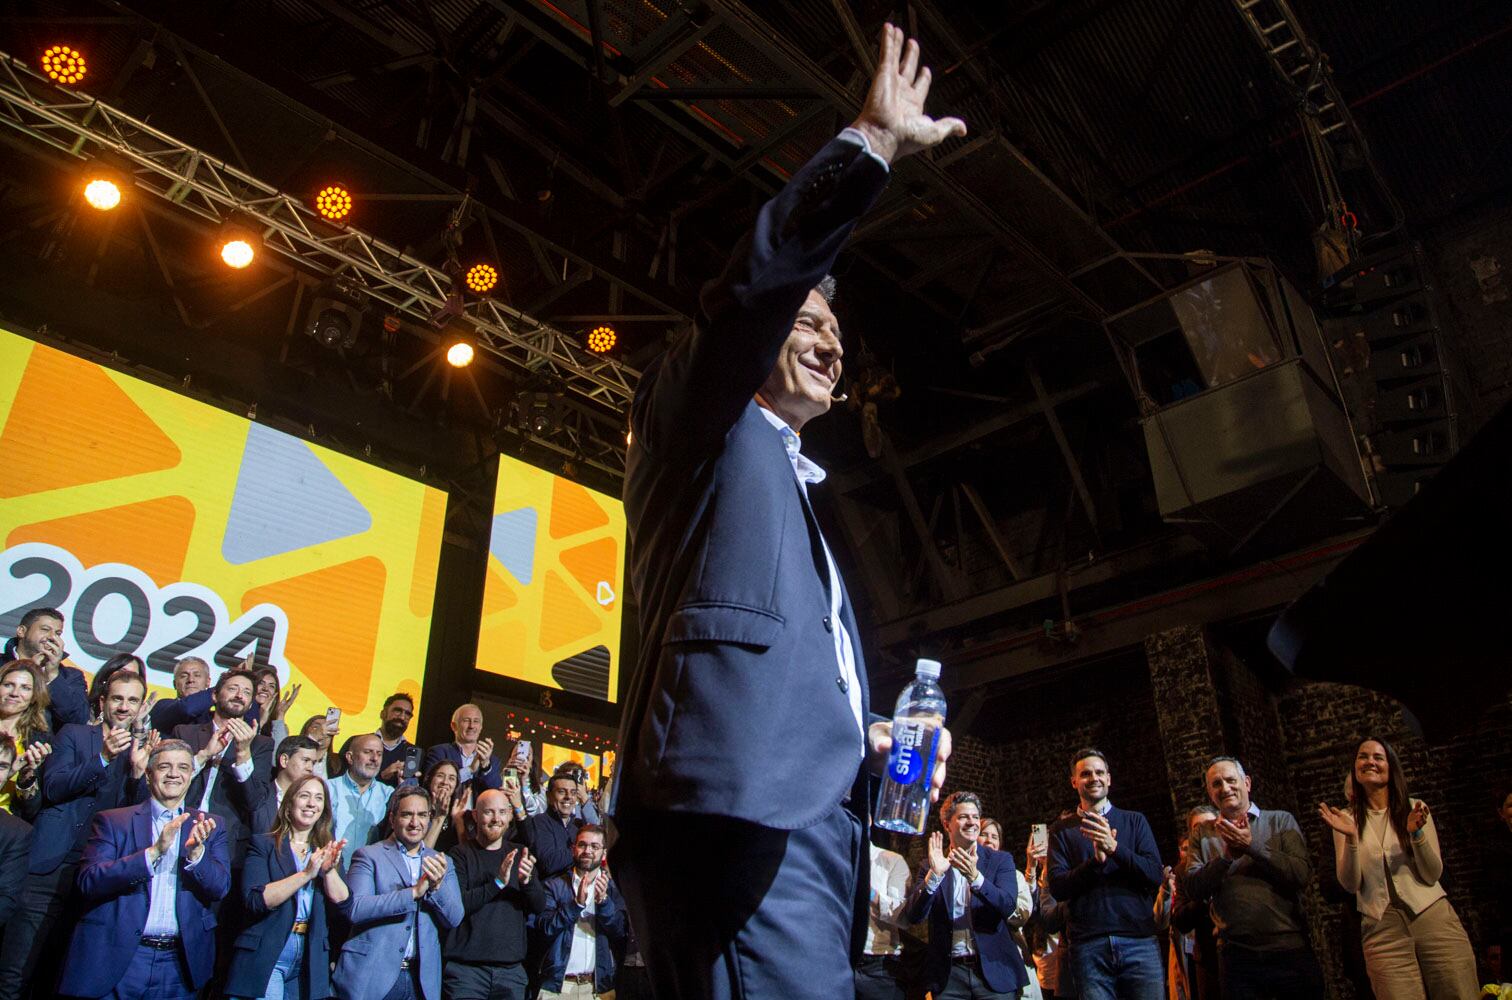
point(394, 721)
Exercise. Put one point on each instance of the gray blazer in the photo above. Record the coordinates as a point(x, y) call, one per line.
point(382, 912)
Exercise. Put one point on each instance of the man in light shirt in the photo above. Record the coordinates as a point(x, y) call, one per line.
point(972, 898)
point(878, 973)
point(584, 924)
point(358, 800)
point(157, 944)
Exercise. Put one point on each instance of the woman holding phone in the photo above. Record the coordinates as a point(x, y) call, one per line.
point(289, 876)
point(1386, 852)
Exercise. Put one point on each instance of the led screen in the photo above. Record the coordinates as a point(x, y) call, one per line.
point(165, 527)
point(551, 599)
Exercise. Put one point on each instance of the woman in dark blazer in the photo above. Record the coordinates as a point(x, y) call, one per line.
point(289, 876)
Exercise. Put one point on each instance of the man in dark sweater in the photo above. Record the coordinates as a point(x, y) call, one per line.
point(1252, 864)
point(485, 953)
point(549, 835)
point(1105, 869)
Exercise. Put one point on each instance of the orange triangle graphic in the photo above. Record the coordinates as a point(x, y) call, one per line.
point(573, 509)
point(498, 595)
point(71, 424)
point(564, 616)
point(592, 563)
point(334, 650)
point(152, 535)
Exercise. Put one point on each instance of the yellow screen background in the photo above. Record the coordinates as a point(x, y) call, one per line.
point(118, 471)
point(552, 592)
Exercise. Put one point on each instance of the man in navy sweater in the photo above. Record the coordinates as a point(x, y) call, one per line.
point(1105, 868)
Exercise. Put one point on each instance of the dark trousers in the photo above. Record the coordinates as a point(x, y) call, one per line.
point(966, 983)
point(476, 981)
point(154, 974)
point(36, 936)
point(879, 977)
point(405, 987)
point(1248, 974)
point(770, 913)
point(631, 982)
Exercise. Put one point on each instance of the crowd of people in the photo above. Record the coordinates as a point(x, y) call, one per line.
point(193, 846)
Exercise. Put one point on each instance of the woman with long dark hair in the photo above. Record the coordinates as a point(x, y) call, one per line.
point(289, 875)
point(1386, 852)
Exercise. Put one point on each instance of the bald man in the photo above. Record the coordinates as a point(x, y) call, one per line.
point(485, 954)
point(470, 750)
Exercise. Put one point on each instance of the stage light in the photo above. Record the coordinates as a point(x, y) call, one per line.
point(334, 203)
point(482, 278)
point(601, 339)
point(64, 64)
point(237, 243)
point(459, 349)
point(102, 194)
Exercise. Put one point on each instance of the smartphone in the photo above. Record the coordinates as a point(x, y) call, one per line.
point(512, 772)
point(411, 766)
point(1040, 834)
point(333, 719)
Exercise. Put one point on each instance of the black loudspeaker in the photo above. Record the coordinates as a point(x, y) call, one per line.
point(1415, 611)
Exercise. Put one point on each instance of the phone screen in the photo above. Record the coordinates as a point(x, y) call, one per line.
point(411, 764)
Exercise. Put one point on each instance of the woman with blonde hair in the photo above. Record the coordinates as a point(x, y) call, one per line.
point(1386, 852)
point(23, 722)
point(289, 875)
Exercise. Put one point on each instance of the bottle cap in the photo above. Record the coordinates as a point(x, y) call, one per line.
point(927, 668)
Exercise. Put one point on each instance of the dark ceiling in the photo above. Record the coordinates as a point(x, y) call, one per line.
point(610, 151)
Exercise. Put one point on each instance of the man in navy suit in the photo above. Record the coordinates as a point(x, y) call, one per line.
point(149, 876)
point(750, 670)
point(969, 895)
point(470, 750)
point(240, 765)
point(92, 768)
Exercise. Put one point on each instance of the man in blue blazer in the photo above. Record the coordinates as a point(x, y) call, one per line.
point(91, 769)
point(470, 750)
point(583, 891)
point(149, 876)
point(404, 898)
point(750, 670)
point(969, 894)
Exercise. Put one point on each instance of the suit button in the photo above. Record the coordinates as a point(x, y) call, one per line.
point(844, 687)
point(829, 626)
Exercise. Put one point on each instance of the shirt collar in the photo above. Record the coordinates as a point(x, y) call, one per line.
point(1254, 811)
point(808, 470)
point(162, 814)
point(1103, 807)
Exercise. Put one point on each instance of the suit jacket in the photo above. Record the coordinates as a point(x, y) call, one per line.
point(257, 946)
point(15, 844)
point(736, 687)
point(550, 840)
point(193, 710)
point(76, 784)
point(991, 906)
point(610, 928)
point(236, 802)
point(381, 910)
point(489, 777)
point(115, 882)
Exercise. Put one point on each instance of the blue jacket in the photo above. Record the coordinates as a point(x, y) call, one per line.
point(115, 882)
point(491, 777)
point(193, 710)
point(75, 786)
point(382, 910)
point(736, 688)
point(258, 945)
point(990, 906)
point(610, 928)
point(68, 692)
point(550, 840)
point(1116, 897)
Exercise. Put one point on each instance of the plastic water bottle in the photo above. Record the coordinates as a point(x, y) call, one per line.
point(903, 803)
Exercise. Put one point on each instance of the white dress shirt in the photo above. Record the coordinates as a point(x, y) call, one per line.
point(242, 771)
point(889, 890)
point(583, 957)
point(162, 892)
point(807, 471)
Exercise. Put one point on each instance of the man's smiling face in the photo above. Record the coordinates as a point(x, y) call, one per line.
point(803, 381)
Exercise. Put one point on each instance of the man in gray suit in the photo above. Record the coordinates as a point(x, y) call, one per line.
point(404, 898)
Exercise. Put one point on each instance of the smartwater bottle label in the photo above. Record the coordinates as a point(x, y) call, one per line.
point(909, 757)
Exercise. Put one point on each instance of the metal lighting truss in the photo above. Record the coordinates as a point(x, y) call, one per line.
point(208, 187)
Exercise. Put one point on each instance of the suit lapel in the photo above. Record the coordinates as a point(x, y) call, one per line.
point(141, 826)
point(395, 855)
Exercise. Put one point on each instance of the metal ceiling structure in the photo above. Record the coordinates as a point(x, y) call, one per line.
point(607, 153)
